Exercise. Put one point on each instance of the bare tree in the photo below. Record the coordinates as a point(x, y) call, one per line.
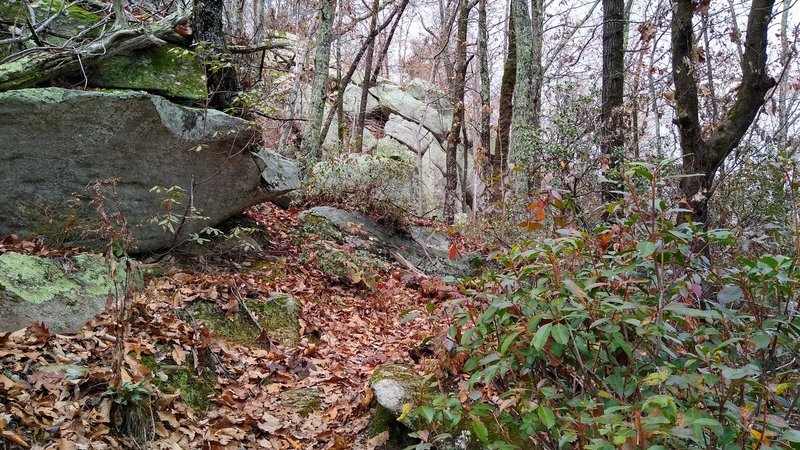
point(458, 87)
point(704, 151)
point(506, 104)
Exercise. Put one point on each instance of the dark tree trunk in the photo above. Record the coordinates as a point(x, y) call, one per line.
point(703, 155)
point(382, 57)
point(483, 57)
point(223, 83)
point(506, 104)
point(612, 139)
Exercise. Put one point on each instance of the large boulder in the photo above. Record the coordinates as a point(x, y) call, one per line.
point(57, 141)
point(63, 293)
point(352, 101)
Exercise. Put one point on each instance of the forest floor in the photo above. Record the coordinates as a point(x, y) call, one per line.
point(314, 395)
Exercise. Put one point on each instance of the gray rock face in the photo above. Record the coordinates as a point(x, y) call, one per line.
point(278, 174)
point(63, 294)
point(56, 141)
point(393, 99)
point(379, 239)
point(352, 101)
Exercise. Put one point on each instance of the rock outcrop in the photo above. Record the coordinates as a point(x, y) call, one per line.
point(57, 141)
point(62, 293)
point(167, 70)
point(416, 117)
point(426, 255)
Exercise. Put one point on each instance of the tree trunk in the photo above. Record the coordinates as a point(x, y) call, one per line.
point(223, 83)
point(506, 105)
point(537, 75)
point(312, 136)
point(349, 75)
point(483, 59)
point(358, 133)
point(612, 140)
point(385, 50)
point(523, 149)
point(457, 96)
point(701, 155)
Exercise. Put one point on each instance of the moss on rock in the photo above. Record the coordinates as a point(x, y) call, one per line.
point(304, 401)
point(62, 293)
point(167, 70)
point(196, 391)
point(278, 316)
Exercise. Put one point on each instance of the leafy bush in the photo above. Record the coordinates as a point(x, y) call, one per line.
point(628, 337)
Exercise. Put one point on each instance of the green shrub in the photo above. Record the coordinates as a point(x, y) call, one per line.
point(381, 184)
point(629, 337)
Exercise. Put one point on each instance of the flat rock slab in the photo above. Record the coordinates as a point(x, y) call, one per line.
point(430, 259)
point(56, 141)
point(62, 293)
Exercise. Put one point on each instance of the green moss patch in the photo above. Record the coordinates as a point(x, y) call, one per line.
point(167, 70)
point(197, 391)
point(278, 316)
point(304, 401)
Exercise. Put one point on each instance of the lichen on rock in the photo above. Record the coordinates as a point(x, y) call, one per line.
point(62, 293)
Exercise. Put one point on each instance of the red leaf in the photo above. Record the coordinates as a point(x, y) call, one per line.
point(453, 251)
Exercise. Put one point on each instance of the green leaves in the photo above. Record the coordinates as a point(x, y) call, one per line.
point(617, 343)
point(541, 336)
point(480, 429)
point(547, 416)
point(645, 248)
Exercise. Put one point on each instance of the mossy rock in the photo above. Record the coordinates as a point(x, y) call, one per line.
point(279, 317)
point(303, 401)
point(73, 21)
point(62, 293)
point(399, 392)
point(197, 391)
point(383, 421)
point(167, 70)
point(320, 226)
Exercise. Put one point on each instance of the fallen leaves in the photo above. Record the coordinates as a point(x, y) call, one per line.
point(347, 332)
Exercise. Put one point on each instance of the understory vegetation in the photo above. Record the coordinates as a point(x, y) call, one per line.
point(639, 333)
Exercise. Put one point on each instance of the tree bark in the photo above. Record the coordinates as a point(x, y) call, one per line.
point(483, 60)
point(223, 83)
point(457, 95)
point(506, 104)
point(537, 75)
point(522, 149)
point(612, 139)
point(312, 136)
point(702, 155)
point(358, 134)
